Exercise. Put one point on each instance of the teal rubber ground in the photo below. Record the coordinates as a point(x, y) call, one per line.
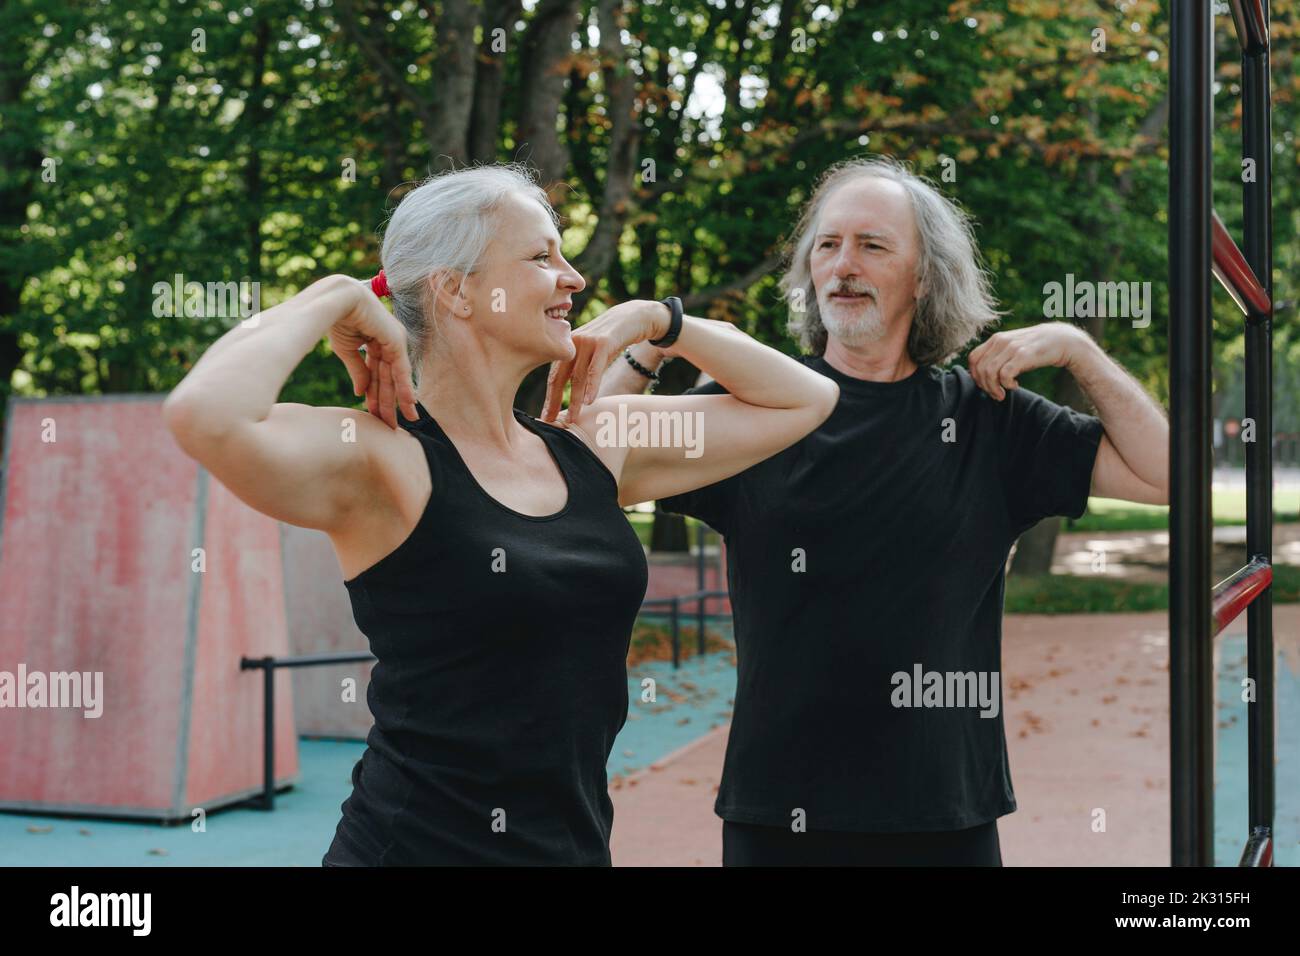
point(688, 704)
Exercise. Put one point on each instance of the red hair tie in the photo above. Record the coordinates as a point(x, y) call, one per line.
point(379, 285)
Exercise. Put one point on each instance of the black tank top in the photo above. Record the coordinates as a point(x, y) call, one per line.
point(501, 678)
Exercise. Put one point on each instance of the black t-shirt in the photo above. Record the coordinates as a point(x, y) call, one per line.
point(862, 560)
point(501, 679)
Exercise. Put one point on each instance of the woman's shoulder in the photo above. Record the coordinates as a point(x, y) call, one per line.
point(575, 436)
point(561, 426)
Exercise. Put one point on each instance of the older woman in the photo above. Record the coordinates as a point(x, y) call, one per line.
point(485, 552)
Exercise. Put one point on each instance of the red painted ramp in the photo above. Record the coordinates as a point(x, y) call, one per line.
point(330, 700)
point(100, 587)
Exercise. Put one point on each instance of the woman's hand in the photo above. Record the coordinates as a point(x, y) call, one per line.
point(371, 343)
point(597, 345)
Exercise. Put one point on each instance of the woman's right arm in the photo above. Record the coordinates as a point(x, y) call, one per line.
point(301, 464)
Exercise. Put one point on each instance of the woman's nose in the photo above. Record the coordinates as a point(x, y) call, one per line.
point(575, 281)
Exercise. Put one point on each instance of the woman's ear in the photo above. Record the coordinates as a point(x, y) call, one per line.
point(450, 291)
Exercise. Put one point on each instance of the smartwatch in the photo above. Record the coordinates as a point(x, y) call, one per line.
point(674, 324)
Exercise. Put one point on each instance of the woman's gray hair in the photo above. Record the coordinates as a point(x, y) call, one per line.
point(444, 225)
point(957, 302)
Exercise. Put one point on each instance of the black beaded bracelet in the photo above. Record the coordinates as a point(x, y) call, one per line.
point(653, 376)
point(674, 324)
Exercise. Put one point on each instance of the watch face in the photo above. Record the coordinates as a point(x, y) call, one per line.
point(674, 304)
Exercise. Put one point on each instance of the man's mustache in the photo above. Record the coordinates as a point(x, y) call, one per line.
point(850, 290)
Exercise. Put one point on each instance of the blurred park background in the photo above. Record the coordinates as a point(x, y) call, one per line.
point(267, 143)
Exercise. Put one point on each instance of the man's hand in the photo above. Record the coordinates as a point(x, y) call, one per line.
point(996, 364)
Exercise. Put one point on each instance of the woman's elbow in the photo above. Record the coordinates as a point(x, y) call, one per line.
point(828, 397)
point(180, 416)
point(178, 412)
point(190, 427)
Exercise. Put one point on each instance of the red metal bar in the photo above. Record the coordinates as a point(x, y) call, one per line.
point(1233, 594)
point(1248, 18)
point(1259, 849)
point(1232, 269)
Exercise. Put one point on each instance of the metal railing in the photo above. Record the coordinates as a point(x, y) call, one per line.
point(699, 597)
point(1200, 246)
point(269, 665)
point(674, 606)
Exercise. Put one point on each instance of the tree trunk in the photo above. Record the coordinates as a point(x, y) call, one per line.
point(490, 80)
point(532, 391)
point(669, 532)
point(451, 80)
point(544, 50)
point(1035, 548)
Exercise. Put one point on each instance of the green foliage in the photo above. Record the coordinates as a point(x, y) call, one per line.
point(1228, 504)
point(224, 161)
point(1078, 594)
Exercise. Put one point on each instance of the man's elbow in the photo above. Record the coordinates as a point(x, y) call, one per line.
point(1150, 493)
point(1129, 487)
point(1161, 487)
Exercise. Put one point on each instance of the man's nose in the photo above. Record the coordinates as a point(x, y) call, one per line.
point(846, 265)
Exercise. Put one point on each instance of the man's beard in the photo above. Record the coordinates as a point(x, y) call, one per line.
point(855, 328)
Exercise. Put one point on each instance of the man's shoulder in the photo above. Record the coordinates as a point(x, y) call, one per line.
point(957, 376)
point(956, 381)
point(959, 379)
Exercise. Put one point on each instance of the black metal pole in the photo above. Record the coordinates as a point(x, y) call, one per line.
point(677, 641)
point(268, 734)
point(1190, 651)
point(1257, 199)
point(699, 630)
point(699, 605)
point(699, 563)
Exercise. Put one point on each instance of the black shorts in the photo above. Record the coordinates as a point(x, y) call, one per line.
point(748, 844)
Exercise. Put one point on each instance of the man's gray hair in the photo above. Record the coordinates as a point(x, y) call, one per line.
point(444, 226)
point(957, 302)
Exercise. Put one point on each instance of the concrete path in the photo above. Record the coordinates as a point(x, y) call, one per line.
point(1087, 715)
point(1144, 555)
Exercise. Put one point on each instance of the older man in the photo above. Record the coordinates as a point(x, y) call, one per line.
point(866, 562)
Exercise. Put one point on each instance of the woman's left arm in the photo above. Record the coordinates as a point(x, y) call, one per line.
point(659, 445)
